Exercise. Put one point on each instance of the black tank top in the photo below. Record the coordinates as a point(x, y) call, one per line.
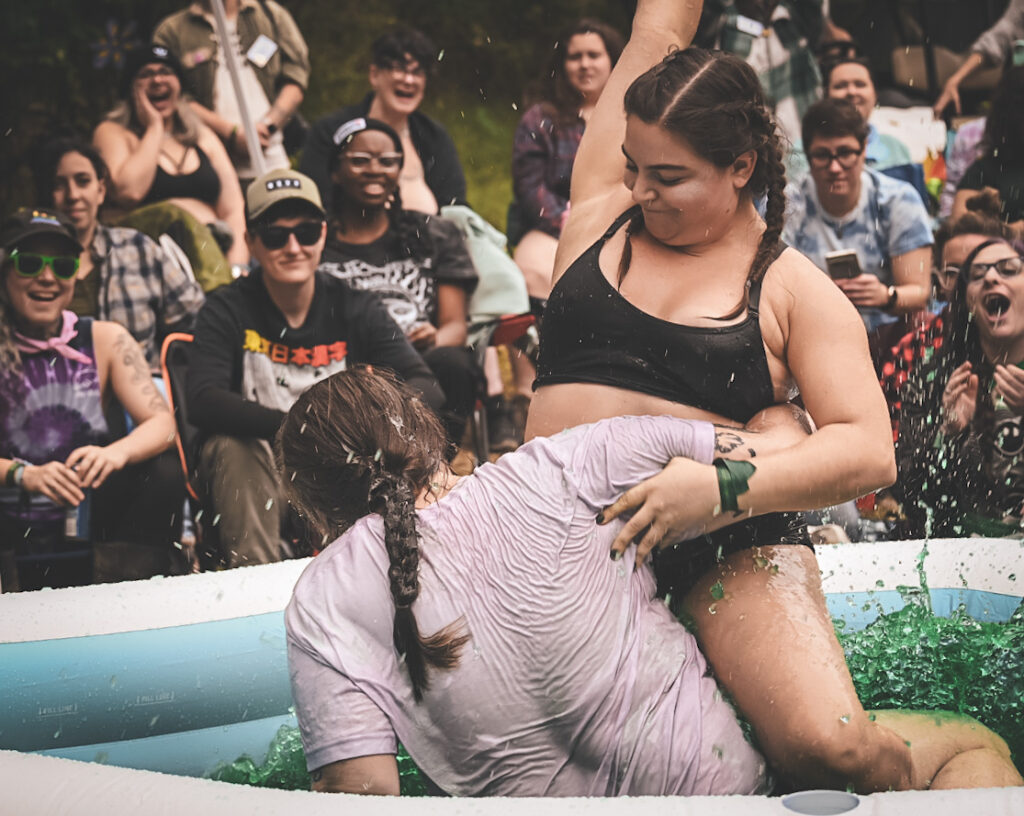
point(203, 183)
point(593, 334)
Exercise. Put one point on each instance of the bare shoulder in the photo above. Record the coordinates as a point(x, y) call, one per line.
point(798, 294)
point(792, 282)
point(114, 342)
point(110, 132)
point(208, 140)
point(109, 334)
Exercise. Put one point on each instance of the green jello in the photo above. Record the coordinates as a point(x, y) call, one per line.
point(914, 660)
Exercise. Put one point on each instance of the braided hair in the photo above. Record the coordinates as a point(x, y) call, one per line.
point(715, 102)
point(385, 451)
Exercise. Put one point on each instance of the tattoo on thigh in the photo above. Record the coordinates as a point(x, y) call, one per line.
point(316, 775)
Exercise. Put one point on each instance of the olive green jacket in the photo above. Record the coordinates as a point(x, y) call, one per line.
point(190, 35)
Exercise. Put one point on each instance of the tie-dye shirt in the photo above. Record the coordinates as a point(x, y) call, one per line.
point(53, 408)
point(888, 220)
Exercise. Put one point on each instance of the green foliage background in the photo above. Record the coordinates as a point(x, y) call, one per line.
point(491, 50)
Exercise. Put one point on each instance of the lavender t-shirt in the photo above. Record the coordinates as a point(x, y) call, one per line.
point(576, 680)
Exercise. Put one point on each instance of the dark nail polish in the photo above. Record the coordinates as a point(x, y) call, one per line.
point(616, 555)
point(600, 518)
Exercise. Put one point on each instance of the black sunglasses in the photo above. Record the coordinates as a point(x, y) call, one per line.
point(274, 237)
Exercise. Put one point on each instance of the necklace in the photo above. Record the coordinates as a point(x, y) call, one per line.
point(178, 163)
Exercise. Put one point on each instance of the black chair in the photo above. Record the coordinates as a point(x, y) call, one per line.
point(174, 357)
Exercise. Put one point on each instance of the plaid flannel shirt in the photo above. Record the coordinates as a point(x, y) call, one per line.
point(782, 54)
point(543, 153)
point(142, 288)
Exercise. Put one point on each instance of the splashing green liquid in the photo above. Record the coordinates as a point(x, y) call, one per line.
point(911, 659)
point(907, 659)
point(285, 768)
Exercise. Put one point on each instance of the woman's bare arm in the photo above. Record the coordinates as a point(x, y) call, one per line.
point(374, 775)
point(230, 205)
point(850, 454)
point(130, 380)
point(132, 165)
point(598, 194)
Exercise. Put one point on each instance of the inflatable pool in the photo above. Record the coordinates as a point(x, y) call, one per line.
point(180, 675)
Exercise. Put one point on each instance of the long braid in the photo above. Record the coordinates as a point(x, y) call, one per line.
point(392, 497)
point(636, 223)
point(414, 239)
point(775, 209)
point(386, 451)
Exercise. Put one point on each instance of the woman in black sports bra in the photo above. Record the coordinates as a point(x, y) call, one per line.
point(689, 305)
point(158, 150)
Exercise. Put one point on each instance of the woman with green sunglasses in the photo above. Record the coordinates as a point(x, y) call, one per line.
point(60, 449)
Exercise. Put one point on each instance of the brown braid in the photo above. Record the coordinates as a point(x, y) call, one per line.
point(361, 442)
point(392, 497)
point(770, 156)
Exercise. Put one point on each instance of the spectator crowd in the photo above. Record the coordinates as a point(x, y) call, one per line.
point(164, 227)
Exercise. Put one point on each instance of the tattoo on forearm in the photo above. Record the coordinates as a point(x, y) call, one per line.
point(728, 440)
point(316, 775)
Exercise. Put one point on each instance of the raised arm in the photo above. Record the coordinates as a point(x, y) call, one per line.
point(598, 194)
point(132, 162)
point(230, 204)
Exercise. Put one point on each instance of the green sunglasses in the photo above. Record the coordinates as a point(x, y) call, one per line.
point(31, 264)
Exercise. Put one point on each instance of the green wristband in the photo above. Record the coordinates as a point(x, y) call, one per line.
point(732, 481)
point(12, 474)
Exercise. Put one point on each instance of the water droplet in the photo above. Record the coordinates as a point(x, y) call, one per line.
point(269, 504)
point(845, 718)
point(712, 610)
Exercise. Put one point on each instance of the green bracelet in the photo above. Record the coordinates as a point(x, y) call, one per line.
point(732, 481)
point(12, 474)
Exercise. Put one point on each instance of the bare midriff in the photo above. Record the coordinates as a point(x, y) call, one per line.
point(565, 405)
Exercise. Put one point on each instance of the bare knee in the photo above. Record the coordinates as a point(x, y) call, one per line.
point(977, 768)
point(844, 754)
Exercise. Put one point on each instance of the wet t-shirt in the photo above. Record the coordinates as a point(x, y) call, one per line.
point(575, 680)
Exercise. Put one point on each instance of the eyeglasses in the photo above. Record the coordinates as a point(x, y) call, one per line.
point(307, 233)
point(401, 70)
point(846, 156)
point(360, 161)
point(1007, 268)
point(32, 264)
point(152, 73)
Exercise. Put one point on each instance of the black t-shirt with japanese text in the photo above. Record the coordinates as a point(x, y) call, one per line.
point(248, 366)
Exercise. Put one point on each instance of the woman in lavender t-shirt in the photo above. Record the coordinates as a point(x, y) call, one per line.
point(546, 667)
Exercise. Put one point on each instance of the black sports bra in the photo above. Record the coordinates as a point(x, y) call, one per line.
point(202, 183)
point(592, 334)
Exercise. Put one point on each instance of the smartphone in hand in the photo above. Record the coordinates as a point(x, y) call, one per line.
point(842, 263)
